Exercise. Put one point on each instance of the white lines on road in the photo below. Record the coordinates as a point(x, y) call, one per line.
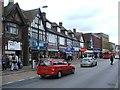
point(19, 80)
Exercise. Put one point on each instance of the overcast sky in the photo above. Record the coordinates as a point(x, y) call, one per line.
point(85, 15)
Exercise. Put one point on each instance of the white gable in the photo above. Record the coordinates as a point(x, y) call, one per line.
point(37, 21)
point(81, 40)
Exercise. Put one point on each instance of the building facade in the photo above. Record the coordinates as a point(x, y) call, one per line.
point(15, 30)
point(36, 31)
point(104, 41)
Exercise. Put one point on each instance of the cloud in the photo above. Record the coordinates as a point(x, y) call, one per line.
point(84, 15)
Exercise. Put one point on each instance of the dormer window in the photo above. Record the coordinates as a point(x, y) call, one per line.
point(48, 25)
point(66, 32)
point(37, 21)
point(58, 29)
point(72, 35)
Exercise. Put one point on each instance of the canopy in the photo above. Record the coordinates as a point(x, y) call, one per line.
point(89, 51)
point(83, 49)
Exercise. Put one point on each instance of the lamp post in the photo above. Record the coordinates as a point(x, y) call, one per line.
point(38, 37)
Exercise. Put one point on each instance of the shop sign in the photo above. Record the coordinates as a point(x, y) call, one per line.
point(62, 49)
point(9, 52)
point(96, 51)
point(13, 45)
point(76, 48)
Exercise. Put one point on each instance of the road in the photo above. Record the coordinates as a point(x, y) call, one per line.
point(103, 75)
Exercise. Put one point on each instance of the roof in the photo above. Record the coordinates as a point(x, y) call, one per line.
point(30, 14)
point(11, 7)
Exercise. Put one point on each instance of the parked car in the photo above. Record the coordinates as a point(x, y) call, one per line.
point(54, 67)
point(88, 61)
point(116, 56)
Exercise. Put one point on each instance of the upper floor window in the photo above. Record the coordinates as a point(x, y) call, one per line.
point(72, 35)
point(52, 38)
point(11, 28)
point(58, 29)
point(36, 22)
point(48, 25)
point(62, 41)
point(66, 32)
point(75, 43)
point(69, 42)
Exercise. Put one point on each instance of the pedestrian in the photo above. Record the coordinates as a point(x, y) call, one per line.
point(19, 63)
point(111, 59)
point(4, 67)
point(10, 60)
point(14, 62)
point(7, 61)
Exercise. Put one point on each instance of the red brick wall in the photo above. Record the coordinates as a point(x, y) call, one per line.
point(96, 41)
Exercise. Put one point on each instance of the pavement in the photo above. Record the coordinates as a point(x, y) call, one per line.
point(27, 72)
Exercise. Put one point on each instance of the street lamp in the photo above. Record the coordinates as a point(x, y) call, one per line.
point(45, 6)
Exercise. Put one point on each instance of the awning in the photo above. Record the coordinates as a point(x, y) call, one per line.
point(68, 52)
point(83, 49)
point(89, 51)
point(96, 51)
point(113, 52)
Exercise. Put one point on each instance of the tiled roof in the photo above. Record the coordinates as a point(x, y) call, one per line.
point(10, 7)
point(30, 14)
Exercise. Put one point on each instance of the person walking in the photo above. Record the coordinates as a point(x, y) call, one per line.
point(19, 63)
point(4, 67)
point(14, 62)
point(10, 60)
point(111, 59)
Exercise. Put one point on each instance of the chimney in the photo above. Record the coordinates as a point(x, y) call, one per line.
point(74, 30)
point(60, 24)
point(44, 16)
point(11, 1)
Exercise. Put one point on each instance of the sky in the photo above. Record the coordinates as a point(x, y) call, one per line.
point(87, 16)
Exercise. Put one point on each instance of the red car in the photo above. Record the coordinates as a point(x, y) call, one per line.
point(54, 67)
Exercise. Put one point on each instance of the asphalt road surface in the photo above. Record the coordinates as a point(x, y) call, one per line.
point(103, 75)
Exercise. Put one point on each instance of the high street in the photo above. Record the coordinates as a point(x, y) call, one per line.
point(101, 76)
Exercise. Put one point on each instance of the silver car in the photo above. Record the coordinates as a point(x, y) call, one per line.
point(88, 61)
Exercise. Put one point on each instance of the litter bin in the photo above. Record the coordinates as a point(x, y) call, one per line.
point(34, 64)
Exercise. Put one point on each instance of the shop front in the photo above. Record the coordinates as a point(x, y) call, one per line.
point(97, 53)
point(62, 52)
point(76, 52)
point(82, 50)
point(37, 49)
point(13, 47)
point(52, 51)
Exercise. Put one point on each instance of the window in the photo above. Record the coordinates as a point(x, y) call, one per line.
point(58, 29)
point(66, 32)
point(60, 63)
point(62, 41)
point(55, 63)
point(45, 63)
point(48, 25)
point(34, 35)
point(52, 38)
point(11, 28)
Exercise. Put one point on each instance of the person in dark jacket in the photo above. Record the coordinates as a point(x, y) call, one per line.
point(111, 59)
point(4, 67)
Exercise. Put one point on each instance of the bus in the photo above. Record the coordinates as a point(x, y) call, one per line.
point(106, 55)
